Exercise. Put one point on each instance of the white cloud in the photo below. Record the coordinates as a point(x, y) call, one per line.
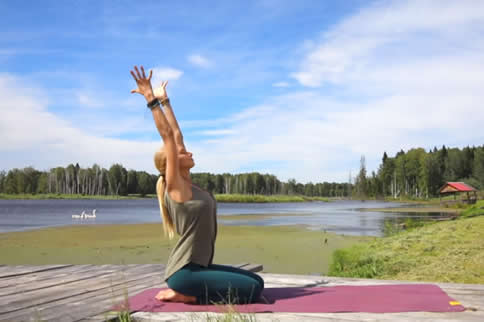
point(89, 100)
point(281, 84)
point(31, 135)
point(216, 132)
point(199, 61)
point(404, 75)
point(165, 73)
point(390, 33)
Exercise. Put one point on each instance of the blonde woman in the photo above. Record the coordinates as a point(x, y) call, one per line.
point(190, 212)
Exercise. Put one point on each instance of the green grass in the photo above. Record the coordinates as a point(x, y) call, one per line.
point(281, 249)
point(264, 198)
point(432, 200)
point(450, 251)
point(218, 197)
point(475, 210)
point(420, 209)
point(27, 196)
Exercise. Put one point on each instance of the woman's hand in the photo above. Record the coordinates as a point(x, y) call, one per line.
point(160, 92)
point(143, 82)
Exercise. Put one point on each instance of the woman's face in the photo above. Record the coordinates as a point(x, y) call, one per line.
point(185, 159)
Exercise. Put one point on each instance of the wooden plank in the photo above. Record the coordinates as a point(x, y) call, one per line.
point(306, 317)
point(155, 268)
point(254, 268)
point(68, 290)
point(45, 277)
point(91, 298)
point(52, 279)
point(240, 265)
point(37, 297)
point(137, 279)
point(100, 305)
point(23, 270)
point(85, 305)
point(41, 276)
point(63, 279)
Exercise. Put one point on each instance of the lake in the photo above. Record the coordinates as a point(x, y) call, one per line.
point(343, 217)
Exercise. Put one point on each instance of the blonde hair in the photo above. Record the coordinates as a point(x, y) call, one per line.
point(160, 164)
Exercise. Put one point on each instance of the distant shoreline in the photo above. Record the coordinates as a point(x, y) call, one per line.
point(222, 198)
point(414, 209)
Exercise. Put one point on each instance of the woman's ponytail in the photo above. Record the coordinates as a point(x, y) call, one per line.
point(168, 227)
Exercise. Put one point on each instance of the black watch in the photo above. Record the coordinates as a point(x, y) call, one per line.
point(154, 103)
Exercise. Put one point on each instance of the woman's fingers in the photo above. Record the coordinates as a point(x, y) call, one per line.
point(143, 72)
point(151, 74)
point(137, 72)
point(135, 91)
point(134, 76)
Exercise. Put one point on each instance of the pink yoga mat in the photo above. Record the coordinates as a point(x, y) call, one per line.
point(372, 299)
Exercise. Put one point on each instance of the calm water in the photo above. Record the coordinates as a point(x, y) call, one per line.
point(339, 216)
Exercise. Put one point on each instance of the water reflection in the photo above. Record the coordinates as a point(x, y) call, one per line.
point(342, 217)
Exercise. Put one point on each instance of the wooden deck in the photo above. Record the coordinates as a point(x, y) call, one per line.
point(86, 292)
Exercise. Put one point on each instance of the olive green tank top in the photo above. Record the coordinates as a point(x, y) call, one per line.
point(195, 222)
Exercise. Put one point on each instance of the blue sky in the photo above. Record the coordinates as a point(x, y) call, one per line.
point(300, 89)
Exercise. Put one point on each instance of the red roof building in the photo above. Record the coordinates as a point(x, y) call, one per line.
point(457, 187)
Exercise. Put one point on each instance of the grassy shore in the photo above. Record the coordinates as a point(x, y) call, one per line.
point(218, 197)
point(451, 251)
point(431, 201)
point(415, 209)
point(281, 249)
point(42, 196)
point(264, 198)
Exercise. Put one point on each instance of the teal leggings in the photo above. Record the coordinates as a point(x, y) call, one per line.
point(217, 284)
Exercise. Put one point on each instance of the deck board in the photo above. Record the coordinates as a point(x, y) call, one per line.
point(88, 304)
point(37, 298)
point(87, 292)
point(23, 270)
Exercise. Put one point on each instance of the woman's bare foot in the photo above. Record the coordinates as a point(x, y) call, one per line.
point(170, 295)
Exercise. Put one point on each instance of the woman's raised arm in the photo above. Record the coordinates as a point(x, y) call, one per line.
point(162, 96)
point(172, 174)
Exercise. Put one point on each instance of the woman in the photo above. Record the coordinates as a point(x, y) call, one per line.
point(190, 212)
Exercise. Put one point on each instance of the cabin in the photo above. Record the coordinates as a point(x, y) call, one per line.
point(459, 188)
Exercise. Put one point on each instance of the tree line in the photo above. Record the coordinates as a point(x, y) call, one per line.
point(420, 174)
point(117, 180)
point(415, 173)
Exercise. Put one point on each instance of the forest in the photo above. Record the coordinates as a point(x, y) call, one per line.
point(117, 180)
point(420, 174)
point(415, 173)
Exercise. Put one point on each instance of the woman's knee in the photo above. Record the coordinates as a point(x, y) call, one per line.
point(182, 282)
